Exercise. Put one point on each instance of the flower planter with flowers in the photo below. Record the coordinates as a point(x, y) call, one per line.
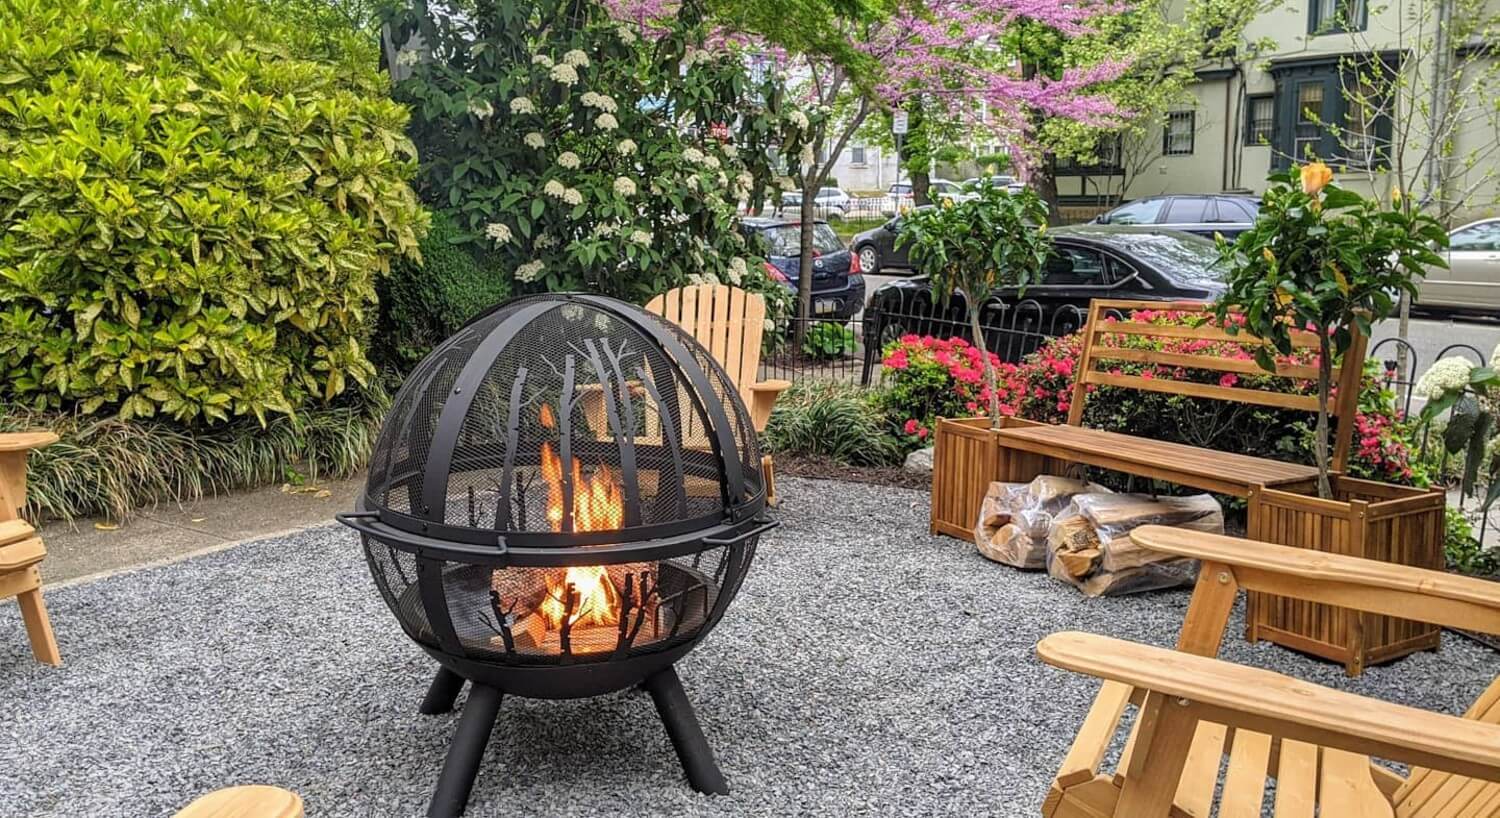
point(1326, 260)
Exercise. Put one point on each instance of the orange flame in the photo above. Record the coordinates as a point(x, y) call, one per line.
point(598, 505)
point(548, 421)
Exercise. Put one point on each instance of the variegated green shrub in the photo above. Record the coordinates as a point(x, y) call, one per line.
point(194, 212)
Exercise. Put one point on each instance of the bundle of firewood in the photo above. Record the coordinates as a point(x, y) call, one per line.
point(1015, 518)
point(1089, 544)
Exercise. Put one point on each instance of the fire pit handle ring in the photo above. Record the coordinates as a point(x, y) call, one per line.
point(736, 539)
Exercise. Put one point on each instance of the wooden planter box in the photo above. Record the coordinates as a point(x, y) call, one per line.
point(1375, 521)
point(965, 460)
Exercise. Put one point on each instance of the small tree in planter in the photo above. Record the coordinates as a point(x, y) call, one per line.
point(1324, 259)
point(997, 239)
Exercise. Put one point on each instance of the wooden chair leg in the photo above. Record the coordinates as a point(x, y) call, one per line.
point(39, 627)
point(768, 468)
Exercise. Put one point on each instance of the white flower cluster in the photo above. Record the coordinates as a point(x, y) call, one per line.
point(808, 159)
point(572, 196)
point(545, 241)
point(711, 161)
point(606, 121)
point(692, 155)
point(603, 102)
point(1446, 375)
point(737, 271)
point(642, 237)
point(568, 160)
point(707, 279)
point(731, 151)
point(500, 233)
point(799, 119)
point(626, 35)
point(522, 105)
point(530, 271)
point(564, 74)
point(606, 229)
point(542, 59)
point(576, 58)
point(624, 186)
point(691, 182)
point(770, 325)
point(481, 108)
point(626, 147)
point(534, 140)
point(1495, 356)
point(554, 188)
point(696, 56)
point(786, 183)
point(408, 57)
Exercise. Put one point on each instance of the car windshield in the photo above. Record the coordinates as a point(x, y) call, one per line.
point(786, 240)
point(1141, 212)
point(1188, 257)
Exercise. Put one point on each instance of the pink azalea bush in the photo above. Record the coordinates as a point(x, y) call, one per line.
point(928, 378)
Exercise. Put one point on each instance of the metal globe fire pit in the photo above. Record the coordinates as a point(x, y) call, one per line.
point(564, 499)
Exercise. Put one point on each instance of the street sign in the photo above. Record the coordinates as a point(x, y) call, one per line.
point(898, 123)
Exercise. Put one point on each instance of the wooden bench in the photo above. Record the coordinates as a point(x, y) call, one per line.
point(1223, 472)
point(1207, 734)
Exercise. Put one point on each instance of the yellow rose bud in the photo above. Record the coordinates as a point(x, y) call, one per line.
point(1283, 298)
point(1396, 195)
point(1315, 177)
point(1269, 256)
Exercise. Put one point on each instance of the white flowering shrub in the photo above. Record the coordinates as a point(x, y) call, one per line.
point(578, 154)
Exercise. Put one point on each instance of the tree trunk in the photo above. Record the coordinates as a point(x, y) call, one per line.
point(1043, 180)
point(984, 357)
point(920, 188)
point(805, 260)
point(1325, 375)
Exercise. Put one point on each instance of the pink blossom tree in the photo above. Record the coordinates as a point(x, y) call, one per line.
point(848, 59)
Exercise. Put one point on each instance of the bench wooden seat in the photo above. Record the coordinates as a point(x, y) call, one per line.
point(1207, 728)
point(1106, 347)
point(1179, 463)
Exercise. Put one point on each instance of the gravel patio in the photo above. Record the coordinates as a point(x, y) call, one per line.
point(867, 668)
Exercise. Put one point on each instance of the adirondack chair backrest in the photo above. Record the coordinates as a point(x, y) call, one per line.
point(1433, 793)
point(728, 321)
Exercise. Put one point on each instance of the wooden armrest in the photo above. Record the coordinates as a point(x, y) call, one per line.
point(22, 441)
point(1278, 705)
point(1367, 585)
point(16, 556)
point(776, 385)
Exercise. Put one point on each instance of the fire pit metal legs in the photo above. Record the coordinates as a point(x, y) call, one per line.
point(687, 737)
point(441, 693)
point(462, 765)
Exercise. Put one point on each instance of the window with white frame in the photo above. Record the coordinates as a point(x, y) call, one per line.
point(1177, 134)
point(857, 155)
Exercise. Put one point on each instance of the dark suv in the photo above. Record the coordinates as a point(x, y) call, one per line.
point(1204, 214)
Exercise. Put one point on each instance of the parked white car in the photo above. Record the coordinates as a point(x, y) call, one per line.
point(899, 197)
point(831, 203)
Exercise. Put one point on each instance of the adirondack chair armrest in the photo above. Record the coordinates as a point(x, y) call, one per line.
point(1406, 591)
point(25, 441)
point(1278, 705)
point(762, 398)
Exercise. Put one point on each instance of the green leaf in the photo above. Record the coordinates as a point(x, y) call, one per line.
point(1462, 424)
point(1475, 452)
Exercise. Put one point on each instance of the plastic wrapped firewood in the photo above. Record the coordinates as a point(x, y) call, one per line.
point(1016, 518)
point(1090, 546)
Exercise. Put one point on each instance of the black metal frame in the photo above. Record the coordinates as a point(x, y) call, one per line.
point(443, 551)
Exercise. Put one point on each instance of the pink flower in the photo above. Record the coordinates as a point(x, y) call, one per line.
point(911, 426)
point(1229, 379)
point(922, 433)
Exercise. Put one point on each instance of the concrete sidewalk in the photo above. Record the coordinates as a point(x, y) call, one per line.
point(83, 549)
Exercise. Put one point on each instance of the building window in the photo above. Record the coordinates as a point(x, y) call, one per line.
point(1336, 16)
point(1310, 123)
point(857, 155)
point(1334, 109)
point(1260, 120)
point(1177, 136)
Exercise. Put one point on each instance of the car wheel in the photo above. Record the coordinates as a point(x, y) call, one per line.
point(869, 259)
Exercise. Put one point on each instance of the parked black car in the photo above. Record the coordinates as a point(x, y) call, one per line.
point(838, 287)
point(876, 248)
point(1226, 214)
point(1089, 261)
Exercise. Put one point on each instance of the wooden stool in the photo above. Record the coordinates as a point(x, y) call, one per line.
point(20, 549)
point(256, 801)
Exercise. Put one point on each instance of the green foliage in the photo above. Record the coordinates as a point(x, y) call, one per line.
point(1326, 259)
point(1465, 553)
point(586, 154)
point(196, 215)
point(112, 467)
point(422, 305)
point(834, 420)
point(827, 339)
point(1471, 396)
point(997, 239)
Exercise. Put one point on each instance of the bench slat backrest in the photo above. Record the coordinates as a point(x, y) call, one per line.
point(1097, 355)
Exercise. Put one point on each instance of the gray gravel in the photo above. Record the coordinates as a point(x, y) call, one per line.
point(866, 669)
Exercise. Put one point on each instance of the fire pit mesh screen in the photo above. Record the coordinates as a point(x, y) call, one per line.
point(583, 408)
point(547, 615)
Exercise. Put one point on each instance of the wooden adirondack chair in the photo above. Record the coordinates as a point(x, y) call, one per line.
point(253, 801)
point(1198, 714)
point(21, 551)
point(729, 323)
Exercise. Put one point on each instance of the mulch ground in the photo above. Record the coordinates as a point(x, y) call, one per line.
point(824, 468)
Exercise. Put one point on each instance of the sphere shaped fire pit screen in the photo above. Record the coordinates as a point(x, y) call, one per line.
point(564, 499)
